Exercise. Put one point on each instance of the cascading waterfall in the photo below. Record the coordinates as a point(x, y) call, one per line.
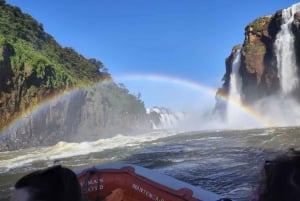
point(285, 51)
point(167, 118)
point(234, 88)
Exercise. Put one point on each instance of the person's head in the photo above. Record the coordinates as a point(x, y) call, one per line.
point(281, 178)
point(56, 183)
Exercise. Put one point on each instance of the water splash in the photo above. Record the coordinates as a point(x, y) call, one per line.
point(285, 51)
point(46, 156)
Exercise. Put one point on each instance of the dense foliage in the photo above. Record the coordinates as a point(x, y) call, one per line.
point(115, 107)
point(21, 30)
point(33, 67)
point(258, 24)
point(256, 29)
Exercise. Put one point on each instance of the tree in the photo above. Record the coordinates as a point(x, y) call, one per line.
point(2, 2)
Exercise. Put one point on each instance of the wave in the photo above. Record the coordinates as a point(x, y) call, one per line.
point(25, 158)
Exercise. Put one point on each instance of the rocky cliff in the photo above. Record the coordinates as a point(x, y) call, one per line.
point(34, 68)
point(262, 62)
point(88, 114)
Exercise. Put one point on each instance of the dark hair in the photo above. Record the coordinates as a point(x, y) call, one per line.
point(56, 183)
point(281, 180)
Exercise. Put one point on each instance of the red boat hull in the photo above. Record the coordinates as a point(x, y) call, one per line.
point(99, 182)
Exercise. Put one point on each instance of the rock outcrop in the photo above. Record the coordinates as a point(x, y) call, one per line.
point(259, 64)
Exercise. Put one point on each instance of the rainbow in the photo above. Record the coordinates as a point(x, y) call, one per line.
point(167, 79)
point(162, 79)
point(197, 86)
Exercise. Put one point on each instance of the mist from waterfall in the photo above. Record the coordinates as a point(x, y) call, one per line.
point(285, 51)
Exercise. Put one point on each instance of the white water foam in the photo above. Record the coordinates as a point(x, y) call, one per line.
point(23, 158)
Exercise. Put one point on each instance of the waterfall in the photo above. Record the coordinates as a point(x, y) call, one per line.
point(163, 118)
point(285, 51)
point(234, 87)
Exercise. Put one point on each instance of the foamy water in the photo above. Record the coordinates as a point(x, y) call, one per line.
point(227, 162)
point(25, 157)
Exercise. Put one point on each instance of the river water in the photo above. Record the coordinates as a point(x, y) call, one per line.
point(227, 162)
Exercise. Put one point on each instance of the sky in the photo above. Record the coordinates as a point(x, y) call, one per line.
point(171, 51)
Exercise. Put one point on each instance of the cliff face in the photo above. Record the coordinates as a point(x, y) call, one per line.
point(258, 62)
point(88, 114)
point(259, 69)
point(34, 68)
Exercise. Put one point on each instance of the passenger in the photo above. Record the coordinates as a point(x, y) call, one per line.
point(56, 183)
point(281, 179)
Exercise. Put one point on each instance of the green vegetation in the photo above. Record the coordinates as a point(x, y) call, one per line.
point(255, 29)
point(258, 24)
point(22, 31)
point(33, 66)
point(255, 48)
point(115, 105)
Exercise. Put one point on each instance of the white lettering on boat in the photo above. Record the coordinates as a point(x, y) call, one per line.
point(147, 193)
point(94, 184)
point(95, 181)
point(95, 188)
